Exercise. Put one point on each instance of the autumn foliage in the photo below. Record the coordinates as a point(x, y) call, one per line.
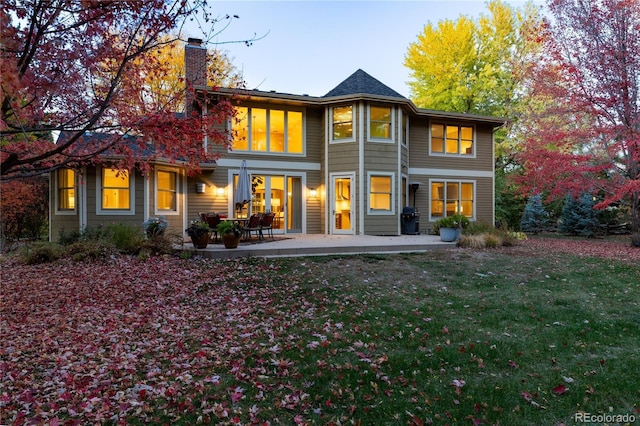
point(583, 122)
point(78, 67)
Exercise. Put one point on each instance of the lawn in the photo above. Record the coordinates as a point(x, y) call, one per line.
point(530, 335)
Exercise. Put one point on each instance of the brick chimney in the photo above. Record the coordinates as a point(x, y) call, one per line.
point(195, 61)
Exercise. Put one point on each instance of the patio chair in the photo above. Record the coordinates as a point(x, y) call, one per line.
point(267, 224)
point(213, 220)
point(253, 225)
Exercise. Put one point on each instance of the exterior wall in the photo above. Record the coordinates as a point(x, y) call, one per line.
point(479, 169)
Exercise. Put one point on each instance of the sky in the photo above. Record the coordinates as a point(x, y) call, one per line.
point(309, 47)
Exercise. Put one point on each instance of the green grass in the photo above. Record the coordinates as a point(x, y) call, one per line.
point(396, 333)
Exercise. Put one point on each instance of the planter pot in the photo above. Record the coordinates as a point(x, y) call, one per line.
point(448, 234)
point(201, 241)
point(230, 240)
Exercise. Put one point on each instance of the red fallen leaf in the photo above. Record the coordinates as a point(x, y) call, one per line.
point(513, 364)
point(445, 330)
point(560, 389)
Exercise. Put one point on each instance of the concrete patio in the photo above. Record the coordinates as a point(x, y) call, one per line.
point(320, 245)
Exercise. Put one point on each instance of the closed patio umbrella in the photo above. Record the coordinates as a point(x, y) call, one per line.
point(242, 192)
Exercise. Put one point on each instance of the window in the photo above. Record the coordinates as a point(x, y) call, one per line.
point(451, 139)
point(380, 123)
point(452, 197)
point(268, 130)
point(116, 194)
point(380, 193)
point(66, 189)
point(343, 123)
point(166, 192)
point(405, 129)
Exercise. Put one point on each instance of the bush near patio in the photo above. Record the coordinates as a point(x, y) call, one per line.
point(520, 335)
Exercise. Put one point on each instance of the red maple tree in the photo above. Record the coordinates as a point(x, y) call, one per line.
point(79, 67)
point(584, 123)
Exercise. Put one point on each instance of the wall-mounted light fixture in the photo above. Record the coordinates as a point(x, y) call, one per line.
point(220, 191)
point(313, 193)
point(200, 187)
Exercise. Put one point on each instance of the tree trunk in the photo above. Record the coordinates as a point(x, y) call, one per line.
point(635, 220)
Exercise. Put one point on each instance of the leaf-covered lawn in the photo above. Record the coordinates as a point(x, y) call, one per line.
point(517, 336)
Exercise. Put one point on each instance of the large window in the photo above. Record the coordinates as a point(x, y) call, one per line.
point(451, 139)
point(167, 191)
point(66, 189)
point(380, 193)
point(268, 130)
point(452, 197)
point(343, 123)
point(380, 123)
point(116, 192)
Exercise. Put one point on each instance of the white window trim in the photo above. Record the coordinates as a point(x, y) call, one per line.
point(155, 195)
point(458, 181)
point(66, 212)
point(285, 153)
point(353, 125)
point(445, 154)
point(378, 212)
point(404, 132)
point(392, 131)
point(113, 212)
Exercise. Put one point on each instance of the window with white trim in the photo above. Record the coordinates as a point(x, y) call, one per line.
point(268, 130)
point(380, 123)
point(452, 139)
point(115, 190)
point(449, 197)
point(166, 191)
point(66, 190)
point(342, 123)
point(380, 193)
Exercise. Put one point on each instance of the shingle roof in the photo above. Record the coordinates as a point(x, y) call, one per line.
point(362, 83)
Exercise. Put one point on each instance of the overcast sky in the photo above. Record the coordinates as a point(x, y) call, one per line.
point(312, 46)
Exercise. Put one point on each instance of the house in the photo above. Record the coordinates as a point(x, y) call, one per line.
point(347, 162)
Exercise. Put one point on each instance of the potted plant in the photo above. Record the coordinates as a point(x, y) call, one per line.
point(199, 230)
point(154, 226)
point(230, 233)
point(450, 227)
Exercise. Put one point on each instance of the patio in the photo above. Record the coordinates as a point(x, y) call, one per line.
point(292, 245)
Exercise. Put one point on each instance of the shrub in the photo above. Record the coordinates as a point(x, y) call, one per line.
point(125, 238)
point(90, 250)
point(39, 252)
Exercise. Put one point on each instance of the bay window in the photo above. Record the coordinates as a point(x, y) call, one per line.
point(450, 139)
point(342, 123)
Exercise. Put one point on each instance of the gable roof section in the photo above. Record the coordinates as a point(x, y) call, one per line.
point(362, 83)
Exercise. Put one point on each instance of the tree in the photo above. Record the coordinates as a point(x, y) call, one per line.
point(479, 67)
point(220, 73)
point(534, 218)
point(579, 216)
point(588, 138)
point(83, 66)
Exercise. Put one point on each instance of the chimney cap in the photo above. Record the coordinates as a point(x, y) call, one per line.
point(194, 41)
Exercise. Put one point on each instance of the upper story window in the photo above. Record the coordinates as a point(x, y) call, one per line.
point(66, 189)
point(342, 122)
point(268, 130)
point(450, 139)
point(380, 123)
point(166, 191)
point(405, 129)
point(116, 190)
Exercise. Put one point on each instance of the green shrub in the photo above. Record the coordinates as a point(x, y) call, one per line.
point(66, 238)
point(126, 238)
point(39, 252)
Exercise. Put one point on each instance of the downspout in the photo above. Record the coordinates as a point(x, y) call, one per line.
point(361, 177)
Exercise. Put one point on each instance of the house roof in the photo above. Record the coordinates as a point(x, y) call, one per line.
point(362, 83)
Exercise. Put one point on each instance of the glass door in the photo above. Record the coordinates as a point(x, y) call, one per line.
point(342, 222)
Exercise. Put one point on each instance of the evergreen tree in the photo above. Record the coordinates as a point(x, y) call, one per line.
point(579, 216)
point(535, 218)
